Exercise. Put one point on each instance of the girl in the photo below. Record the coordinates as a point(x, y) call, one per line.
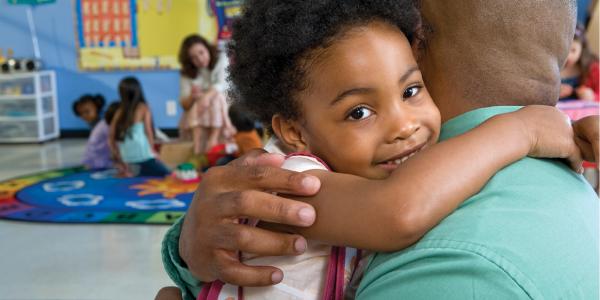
point(202, 88)
point(131, 133)
point(581, 73)
point(89, 108)
point(97, 151)
point(343, 90)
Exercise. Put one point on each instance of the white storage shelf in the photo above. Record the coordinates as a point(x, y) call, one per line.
point(28, 108)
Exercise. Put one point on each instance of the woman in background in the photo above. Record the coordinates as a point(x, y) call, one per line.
point(202, 88)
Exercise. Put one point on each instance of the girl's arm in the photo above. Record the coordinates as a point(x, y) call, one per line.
point(148, 129)
point(186, 97)
point(391, 214)
point(112, 141)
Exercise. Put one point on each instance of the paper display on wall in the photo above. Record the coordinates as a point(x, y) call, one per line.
point(145, 34)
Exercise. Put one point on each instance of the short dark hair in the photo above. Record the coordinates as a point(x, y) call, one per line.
point(273, 39)
point(187, 67)
point(97, 100)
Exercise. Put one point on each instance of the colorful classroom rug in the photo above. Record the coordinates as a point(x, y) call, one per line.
point(76, 195)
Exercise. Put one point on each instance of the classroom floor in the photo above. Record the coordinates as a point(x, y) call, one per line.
point(68, 262)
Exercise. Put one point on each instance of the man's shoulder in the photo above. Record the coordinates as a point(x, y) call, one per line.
point(533, 225)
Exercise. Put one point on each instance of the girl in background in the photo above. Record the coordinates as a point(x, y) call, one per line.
point(97, 150)
point(89, 108)
point(580, 75)
point(202, 88)
point(132, 133)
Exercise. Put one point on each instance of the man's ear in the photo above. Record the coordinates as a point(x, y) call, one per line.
point(288, 132)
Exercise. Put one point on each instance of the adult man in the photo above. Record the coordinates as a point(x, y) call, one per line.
point(532, 232)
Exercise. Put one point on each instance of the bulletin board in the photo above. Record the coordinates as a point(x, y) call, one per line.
point(145, 34)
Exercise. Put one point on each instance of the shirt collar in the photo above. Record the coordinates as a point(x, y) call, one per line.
point(469, 120)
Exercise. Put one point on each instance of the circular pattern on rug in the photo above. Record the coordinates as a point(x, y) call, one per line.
point(76, 195)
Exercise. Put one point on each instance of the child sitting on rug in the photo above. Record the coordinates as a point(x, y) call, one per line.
point(132, 133)
point(343, 90)
point(97, 153)
point(580, 77)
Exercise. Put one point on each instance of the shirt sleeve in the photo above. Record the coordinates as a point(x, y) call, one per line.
point(175, 266)
point(438, 274)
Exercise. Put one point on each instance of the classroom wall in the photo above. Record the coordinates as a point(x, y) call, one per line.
point(56, 33)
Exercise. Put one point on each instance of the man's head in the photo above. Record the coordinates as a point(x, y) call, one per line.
point(481, 53)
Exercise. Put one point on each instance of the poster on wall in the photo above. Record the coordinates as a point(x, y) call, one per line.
point(30, 1)
point(145, 34)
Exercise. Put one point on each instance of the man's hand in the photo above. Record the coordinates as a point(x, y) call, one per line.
point(211, 235)
point(586, 136)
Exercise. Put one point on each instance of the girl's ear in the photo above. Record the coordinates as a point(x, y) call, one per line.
point(288, 132)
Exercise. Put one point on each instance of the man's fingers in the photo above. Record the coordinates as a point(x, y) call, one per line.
point(244, 238)
point(247, 159)
point(239, 274)
point(262, 170)
point(266, 178)
point(256, 157)
point(265, 206)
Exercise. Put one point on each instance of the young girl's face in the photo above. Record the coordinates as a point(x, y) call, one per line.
point(88, 111)
point(199, 55)
point(365, 109)
point(574, 53)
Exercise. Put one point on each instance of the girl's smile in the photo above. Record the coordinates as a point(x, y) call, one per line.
point(365, 109)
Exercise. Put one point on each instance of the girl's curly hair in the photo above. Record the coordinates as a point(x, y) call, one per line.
point(273, 42)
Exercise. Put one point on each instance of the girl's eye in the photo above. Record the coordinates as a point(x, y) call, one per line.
point(411, 91)
point(360, 112)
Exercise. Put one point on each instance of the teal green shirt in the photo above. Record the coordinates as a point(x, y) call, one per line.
point(530, 233)
point(175, 266)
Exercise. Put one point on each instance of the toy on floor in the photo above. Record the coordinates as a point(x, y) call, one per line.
point(210, 158)
point(186, 172)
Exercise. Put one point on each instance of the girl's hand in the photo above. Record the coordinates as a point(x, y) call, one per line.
point(587, 136)
point(203, 101)
point(565, 90)
point(550, 134)
point(585, 93)
point(123, 170)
